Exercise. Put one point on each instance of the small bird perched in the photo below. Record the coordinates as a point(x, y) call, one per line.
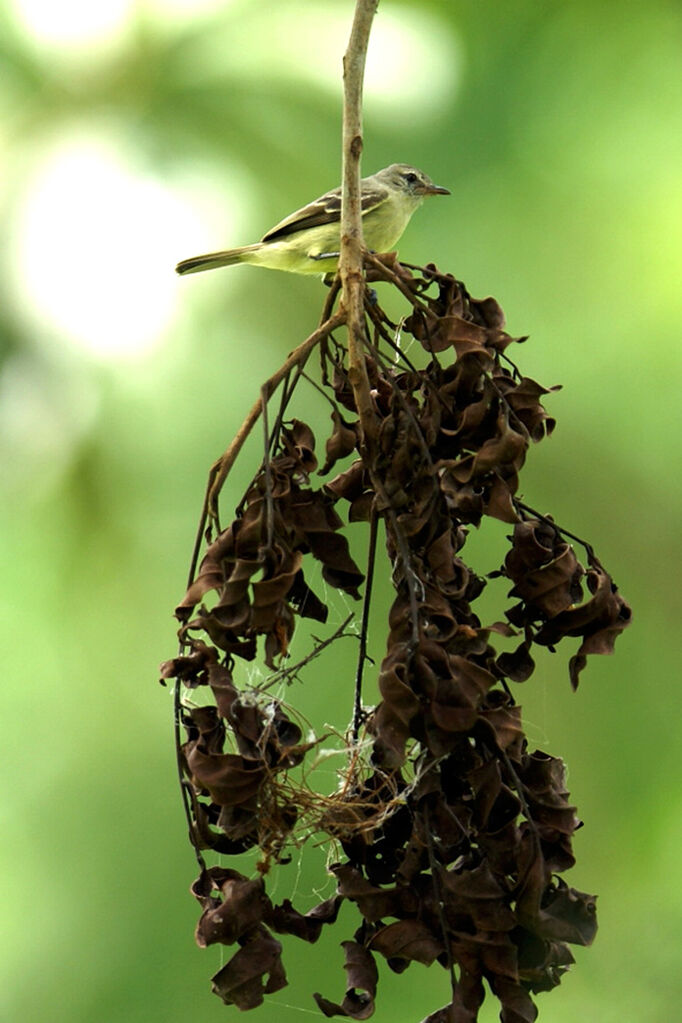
point(308, 241)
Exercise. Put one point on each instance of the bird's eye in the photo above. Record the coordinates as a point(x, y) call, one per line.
point(411, 178)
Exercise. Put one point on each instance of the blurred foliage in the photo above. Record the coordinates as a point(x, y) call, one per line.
point(557, 129)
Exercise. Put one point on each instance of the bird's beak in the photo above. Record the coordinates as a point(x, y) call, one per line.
point(433, 190)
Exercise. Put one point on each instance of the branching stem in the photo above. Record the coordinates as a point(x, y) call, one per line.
point(221, 468)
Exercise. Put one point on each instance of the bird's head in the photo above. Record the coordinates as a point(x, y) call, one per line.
point(411, 181)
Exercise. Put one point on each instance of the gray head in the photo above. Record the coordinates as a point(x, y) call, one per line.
point(410, 180)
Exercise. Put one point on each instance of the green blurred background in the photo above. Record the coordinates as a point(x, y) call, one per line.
point(133, 134)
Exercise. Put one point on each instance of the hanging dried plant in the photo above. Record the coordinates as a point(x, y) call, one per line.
point(452, 831)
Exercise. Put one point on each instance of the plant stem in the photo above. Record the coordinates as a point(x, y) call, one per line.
point(352, 246)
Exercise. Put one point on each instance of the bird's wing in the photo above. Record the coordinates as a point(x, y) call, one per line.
point(325, 210)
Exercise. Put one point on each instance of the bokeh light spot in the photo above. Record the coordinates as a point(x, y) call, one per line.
point(72, 24)
point(413, 62)
point(95, 242)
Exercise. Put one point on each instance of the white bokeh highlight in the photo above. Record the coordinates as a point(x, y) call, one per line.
point(72, 25)
point(413, 67)
point(93, 247)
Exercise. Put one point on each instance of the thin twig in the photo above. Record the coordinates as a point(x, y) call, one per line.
point(334, 289)
point(403, 550)
point(587, 547)
point(201, 531)
point(444, 930)
point(285, 673)
point(267, 470)
point(393, 278)
point(287, 394)
point(221, 468)
point(321, 391)
point(185, 787)
point(521, 793)
point(362, 653)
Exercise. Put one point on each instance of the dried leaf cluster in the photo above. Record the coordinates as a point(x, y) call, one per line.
point(453, 831)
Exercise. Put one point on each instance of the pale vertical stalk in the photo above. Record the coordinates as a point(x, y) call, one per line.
point(352, 244)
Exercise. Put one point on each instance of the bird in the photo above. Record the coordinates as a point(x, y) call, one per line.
point(308, 240)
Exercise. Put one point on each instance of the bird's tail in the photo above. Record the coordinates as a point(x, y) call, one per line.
point(213, 260)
